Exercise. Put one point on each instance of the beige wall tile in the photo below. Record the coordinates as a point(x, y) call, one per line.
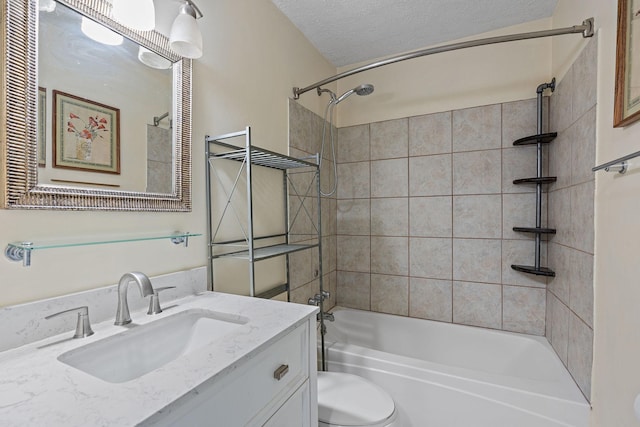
point(430, 175)
point(561, 116)
point(389, 178)
point(522, 252)
point(302, 216)
point(353, 144)
point(354, 217)
point(477, 304)
point(329, 219)
point(430, 216)
point(581, 285)
point(430, 134)
point(354, 253)
point(581, 234)
point(477, 260)
point(519, 210)
point(477, 216)
point(430, 257)
point(303, 128)
point(354, 181)
point(477, 172)
point(390, 217)
point(390, 294)
point(558, 326)
point(330, 284)
point(390, 255)
point(560, 158)
point(430, 299)
point(518, 162)
point(390, 139)
point(559, 258)
point(523, 309)
point(580, 353)
point(354, 290)
point(519, 119)
point(583, 148)
point(300, 269)
point(477, 128)
point(302, 294)
point(560, 215)
point(585, 80)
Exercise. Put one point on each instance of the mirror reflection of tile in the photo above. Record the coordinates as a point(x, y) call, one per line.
point(159, 160)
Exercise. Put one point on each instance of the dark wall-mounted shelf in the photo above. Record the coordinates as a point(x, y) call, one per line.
point(540, 271)
point(541, 180)
point(535, 230)
point(540, 138)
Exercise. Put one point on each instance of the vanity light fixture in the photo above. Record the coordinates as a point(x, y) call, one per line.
point(135, 14)
point(100, 33)
point(152, 59)
point(185, 37)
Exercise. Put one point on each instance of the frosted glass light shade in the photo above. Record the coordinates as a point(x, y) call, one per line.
point(46, 5)
point(152, 59)
point(136, 14)
point(100, 33)
point(185, 38)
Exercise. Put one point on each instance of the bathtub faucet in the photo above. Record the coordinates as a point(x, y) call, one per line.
point(317, 300)
point(328, 316)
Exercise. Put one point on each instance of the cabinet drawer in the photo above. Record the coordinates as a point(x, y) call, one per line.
point(251, 394)
point(295, 411)
point(289, 360)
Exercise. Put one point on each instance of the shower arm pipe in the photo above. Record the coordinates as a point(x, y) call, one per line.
point(158, 119)
point(586, 29)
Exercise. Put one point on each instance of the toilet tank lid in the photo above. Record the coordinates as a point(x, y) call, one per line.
point(350, 400)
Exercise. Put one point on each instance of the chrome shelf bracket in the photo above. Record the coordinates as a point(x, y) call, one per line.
point(14, 253)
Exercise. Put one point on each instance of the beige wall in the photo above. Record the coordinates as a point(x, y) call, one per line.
point(616, 319)
point(451, 81)
point(253, 57)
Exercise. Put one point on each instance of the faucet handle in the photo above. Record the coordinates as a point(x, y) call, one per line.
point(325, 294)
point(154, 301)
point(83, 327)
point(315, 300)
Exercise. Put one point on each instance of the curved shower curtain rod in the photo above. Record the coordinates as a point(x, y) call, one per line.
point(586, 29)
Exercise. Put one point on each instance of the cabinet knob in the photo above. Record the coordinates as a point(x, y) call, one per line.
point(279, 373)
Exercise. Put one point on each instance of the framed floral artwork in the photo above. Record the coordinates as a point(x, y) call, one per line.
point(42, 126)
point(86, 134)
point(627, 92)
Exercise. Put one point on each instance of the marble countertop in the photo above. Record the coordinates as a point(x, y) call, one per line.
point(37, 389)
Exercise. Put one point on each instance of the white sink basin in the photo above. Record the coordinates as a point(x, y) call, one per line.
point(144, 348)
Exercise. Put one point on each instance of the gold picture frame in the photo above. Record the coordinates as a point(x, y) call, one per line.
point(627, 91)
point(86, 134)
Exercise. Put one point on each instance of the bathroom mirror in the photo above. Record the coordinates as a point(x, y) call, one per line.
point(80, 135)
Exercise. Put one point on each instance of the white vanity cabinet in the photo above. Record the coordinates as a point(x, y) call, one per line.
point(275, 386)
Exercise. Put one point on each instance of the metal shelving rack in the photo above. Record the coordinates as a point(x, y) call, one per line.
point(219, 149)
point(537, 140)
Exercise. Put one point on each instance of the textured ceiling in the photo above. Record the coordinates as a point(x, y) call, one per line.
point(351, 31)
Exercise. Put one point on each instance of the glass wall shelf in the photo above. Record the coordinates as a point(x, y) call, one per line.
point(21, 251)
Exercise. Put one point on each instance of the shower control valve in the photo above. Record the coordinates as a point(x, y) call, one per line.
point(315, 300)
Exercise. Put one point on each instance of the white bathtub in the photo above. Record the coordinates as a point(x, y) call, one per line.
point(446, 375)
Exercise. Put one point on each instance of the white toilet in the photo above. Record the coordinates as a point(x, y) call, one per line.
point(346, 400)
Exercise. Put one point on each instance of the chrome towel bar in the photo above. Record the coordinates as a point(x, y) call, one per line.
point(618, 165)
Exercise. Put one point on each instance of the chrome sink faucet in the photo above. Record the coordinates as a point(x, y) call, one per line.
point(123, 317)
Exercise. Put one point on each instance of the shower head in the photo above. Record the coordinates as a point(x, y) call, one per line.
point(361, 90)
